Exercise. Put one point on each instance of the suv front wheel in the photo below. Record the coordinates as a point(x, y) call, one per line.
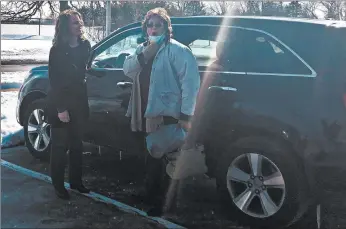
point(262, 183)
point(36, 130)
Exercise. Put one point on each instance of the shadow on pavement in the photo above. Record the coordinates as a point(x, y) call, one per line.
point(30, 203)
point(198, 204)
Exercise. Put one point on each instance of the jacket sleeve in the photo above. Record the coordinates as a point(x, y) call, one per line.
point(186, 68)
point(59, 82)
point(132, 65)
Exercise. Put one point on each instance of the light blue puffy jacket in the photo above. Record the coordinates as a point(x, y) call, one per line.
point(174, 83)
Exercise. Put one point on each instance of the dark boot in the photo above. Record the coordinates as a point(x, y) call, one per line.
point(156, 211)
point(62, 193)
point(80, 188)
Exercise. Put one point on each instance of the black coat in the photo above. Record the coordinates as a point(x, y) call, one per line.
point(67, 83)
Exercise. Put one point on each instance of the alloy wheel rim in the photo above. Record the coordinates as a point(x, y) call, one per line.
point(38, 130)
point(256, 185)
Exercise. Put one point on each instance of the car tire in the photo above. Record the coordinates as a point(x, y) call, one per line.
point(290, 195)
point(36, 130)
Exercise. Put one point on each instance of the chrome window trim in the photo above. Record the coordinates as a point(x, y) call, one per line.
point(224, 72)
point(313, 72)
point(312, 75)
point(223, 88)
point(256, 73)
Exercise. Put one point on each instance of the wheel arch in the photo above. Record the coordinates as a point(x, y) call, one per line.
point(29, 98)
point(214, 153)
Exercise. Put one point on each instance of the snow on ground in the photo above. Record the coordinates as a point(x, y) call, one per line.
point(35, 50)
point(46, 30)
point(13, 77)
point(25, 51)
point(10, 80)
point(11, 132)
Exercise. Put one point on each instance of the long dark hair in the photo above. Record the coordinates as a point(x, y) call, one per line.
point(162, 13)
point(62, 27)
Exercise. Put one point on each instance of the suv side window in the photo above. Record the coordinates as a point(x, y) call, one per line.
point(204, 51)
point(113, 53)
point(266, 55)
point(241, 50)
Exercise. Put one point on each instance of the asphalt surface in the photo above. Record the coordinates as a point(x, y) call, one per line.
point(30, 203)
point(198, 205)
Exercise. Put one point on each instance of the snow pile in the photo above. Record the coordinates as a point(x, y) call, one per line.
point(21, 44)
point(12, 133)
point(45, 30)
point(25, 51)
point(10, 80)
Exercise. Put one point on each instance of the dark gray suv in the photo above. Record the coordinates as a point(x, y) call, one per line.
point(271, 111)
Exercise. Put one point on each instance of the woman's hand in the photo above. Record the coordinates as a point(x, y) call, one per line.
point(186, 125)
point(64, 116)
point(150, 51)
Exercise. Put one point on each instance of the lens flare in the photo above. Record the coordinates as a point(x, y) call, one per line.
point(206, 82)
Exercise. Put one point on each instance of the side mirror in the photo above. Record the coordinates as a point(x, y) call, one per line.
point(124, 85)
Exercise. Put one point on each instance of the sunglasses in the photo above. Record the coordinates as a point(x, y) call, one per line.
point(151, 25)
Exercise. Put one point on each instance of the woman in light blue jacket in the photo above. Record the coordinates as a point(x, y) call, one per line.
point(166, 82)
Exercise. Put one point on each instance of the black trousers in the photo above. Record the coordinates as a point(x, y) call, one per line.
point(66, 137)
point(159, 187)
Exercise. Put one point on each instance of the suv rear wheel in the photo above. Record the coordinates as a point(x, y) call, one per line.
point(262, 183)
point(36, 130)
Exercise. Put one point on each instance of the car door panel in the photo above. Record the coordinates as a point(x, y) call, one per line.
point(108, 104)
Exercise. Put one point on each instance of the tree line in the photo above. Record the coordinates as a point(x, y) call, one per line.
point(126, 12)
point(123, 13)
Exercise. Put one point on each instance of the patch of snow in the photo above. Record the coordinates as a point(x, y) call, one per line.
point(12, 80)
point(21, 29)
point(33, 49)
point(11, 132)
point(13, 77)
point(25, 51)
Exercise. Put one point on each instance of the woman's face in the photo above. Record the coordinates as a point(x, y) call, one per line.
point(75, 25)
point(155, 26)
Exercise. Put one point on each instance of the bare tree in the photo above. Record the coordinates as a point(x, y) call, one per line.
point(250, 7)
point(310, 8)
point(343, 11)
point(16, 11)
point(19, 11)
point(332, 9)
point(223, 7)
point(187, 8)
point(271, 8)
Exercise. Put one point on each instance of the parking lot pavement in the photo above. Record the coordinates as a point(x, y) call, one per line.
point(30, 203)
point(198, 206)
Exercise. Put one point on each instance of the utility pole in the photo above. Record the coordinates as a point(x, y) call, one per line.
point(39, 23)
point(108, 17)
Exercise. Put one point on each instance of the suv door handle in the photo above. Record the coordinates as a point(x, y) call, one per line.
point(223, 88)
point(124, 85)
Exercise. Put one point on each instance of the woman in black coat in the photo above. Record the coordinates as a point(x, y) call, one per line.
point(67, 100)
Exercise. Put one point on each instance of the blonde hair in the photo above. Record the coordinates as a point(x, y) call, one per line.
point(62, 27)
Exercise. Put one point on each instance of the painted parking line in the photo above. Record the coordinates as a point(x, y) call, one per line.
point(93, 195)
